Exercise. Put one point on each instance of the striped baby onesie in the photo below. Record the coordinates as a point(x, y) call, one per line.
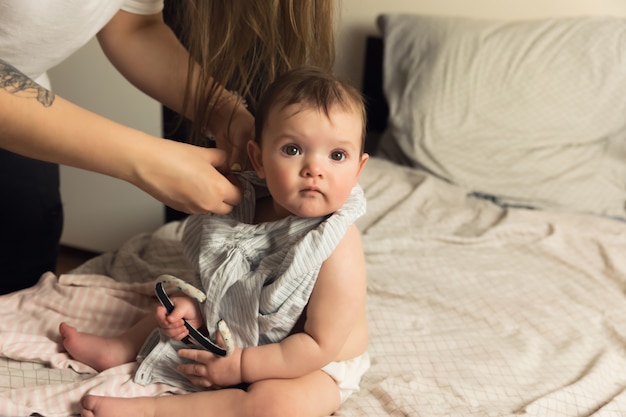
point(257, 277)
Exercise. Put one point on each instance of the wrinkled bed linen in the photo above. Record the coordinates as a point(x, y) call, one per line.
point(474, 310)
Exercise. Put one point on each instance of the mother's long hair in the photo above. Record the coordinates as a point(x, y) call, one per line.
point(244, 44)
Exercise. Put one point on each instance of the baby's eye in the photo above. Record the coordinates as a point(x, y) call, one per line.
point(291, 150)
point(338, 155)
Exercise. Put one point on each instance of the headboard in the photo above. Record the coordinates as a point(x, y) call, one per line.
point(372, 88)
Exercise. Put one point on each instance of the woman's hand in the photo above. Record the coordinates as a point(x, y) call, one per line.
point(212, 371)
point(172, 324)
point(186, 177)
point(233, 137)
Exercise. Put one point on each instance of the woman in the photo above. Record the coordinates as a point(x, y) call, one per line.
point(233, 47)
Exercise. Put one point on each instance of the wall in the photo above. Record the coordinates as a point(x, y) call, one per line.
point(102, 212)
point(357, 18)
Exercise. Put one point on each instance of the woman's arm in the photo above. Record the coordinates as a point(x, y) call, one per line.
point(36, 123)
point(146, 51)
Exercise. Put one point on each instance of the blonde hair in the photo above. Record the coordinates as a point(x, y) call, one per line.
point(314, 88)
point(245, 45)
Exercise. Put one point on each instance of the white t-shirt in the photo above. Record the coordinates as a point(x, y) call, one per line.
point(37, 35)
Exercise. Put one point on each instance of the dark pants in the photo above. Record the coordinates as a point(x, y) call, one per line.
point(31, 220)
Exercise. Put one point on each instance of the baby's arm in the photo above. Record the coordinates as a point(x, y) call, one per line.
point(336, 306)
point(335, 329)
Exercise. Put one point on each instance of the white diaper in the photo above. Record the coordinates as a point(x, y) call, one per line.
point(347, 374)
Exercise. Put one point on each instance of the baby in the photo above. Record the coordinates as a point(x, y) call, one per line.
point(285, 270)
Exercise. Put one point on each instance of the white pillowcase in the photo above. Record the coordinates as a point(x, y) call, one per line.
point(532, 113)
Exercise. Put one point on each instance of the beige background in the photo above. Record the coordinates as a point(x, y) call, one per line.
point(358, 18)
point(102, 212)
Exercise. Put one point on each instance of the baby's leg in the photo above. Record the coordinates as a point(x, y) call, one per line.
point(106, 352)
point(313, 395)
point(94, 406)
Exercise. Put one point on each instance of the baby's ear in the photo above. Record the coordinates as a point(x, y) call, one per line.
point(362, 162)
point(256, 159)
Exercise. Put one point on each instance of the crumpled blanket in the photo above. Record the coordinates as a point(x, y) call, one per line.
point(29, 321)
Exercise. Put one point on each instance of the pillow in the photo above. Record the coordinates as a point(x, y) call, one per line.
point(530, 113)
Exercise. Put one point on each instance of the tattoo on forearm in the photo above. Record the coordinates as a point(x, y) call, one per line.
point(15, 82)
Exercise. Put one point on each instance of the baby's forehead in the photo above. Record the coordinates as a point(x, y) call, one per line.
point(327, 110)
point(282, 115)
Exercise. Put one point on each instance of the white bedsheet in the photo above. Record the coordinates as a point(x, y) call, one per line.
point(477, 310)
point(474, 310)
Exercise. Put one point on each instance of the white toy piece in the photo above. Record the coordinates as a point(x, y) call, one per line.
point(172, 283)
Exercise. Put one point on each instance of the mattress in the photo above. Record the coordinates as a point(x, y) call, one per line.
point(474, 309)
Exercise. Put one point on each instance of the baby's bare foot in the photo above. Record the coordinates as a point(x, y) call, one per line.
point(94, 406)
point(96, 351)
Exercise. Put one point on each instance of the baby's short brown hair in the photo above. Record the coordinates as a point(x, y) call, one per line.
point(313, 87)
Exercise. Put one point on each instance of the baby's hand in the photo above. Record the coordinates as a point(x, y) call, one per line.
point(212, 371)
point(172, 324)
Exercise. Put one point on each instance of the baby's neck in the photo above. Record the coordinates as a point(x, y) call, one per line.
point(266, 212)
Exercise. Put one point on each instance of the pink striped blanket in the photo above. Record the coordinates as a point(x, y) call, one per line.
point(29, 333)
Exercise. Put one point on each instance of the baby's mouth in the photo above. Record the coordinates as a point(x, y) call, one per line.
point(310, 190)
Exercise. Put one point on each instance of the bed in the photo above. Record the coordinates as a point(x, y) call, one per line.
point(495, 235)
